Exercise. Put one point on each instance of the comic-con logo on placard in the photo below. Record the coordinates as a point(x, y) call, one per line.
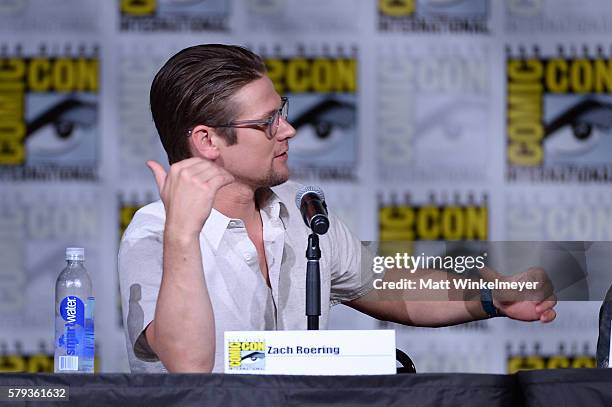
point(559, 116)
point(49, 127)
point(247, 355)
point(173, 15)
point(322, 92)
point(432, 16)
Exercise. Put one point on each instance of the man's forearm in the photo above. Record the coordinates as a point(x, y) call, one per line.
point(441, 313)
point(183, 331)
point(437, 303)
point(450, 307)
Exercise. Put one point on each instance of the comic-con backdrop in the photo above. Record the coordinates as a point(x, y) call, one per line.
point(421, 120)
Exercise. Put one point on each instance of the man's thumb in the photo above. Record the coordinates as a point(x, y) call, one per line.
point(158, 172)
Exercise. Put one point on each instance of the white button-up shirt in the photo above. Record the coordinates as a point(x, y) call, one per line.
point(240, 296)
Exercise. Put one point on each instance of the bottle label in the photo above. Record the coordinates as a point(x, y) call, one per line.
point(72, 312)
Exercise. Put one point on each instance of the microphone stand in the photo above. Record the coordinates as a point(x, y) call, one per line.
point(313, 282)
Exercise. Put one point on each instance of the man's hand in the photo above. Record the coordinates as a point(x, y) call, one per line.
point(534, 305)
point(188, 191)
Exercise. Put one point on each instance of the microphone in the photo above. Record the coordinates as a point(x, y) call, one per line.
point(311, 203)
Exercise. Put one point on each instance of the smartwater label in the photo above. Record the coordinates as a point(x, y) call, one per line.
point(72, 312)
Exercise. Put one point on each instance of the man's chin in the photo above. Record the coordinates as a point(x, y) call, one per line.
point(278, 179)
point(278, 182)
point(271, 180)
point(278, 176)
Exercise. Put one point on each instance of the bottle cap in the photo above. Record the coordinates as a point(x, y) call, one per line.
point(75, 253)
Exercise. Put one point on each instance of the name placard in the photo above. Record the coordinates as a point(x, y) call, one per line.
point(362, 352)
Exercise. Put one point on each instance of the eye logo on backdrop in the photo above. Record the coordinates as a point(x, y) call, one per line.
point(50, 114)
point(322, 92)
point(433, 16)
point(559, 116)
point(173, 15)
point(433, 112)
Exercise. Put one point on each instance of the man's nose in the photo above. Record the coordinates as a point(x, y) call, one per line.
point(285, 130)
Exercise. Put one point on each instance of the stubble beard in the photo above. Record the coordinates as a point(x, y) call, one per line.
point(271, 179)
point(274, 178)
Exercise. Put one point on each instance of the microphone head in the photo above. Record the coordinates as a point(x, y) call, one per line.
point(319, 224)
point(307, 190)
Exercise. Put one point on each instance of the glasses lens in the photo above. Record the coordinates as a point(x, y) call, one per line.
point(285, 109)
point(274, 124)
point(282, 112)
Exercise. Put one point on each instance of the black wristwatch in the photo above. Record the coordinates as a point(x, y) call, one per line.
point(486, 299)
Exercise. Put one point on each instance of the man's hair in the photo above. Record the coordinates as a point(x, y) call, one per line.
point(196, 87)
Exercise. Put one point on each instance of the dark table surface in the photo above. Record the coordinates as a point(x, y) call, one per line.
point(563, 387)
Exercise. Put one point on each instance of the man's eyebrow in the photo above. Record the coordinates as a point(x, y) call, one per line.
point(269, 113)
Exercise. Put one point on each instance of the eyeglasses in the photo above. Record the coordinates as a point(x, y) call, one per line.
point(271, 123)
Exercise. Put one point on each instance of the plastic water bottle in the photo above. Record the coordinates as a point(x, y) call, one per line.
point(74, 316)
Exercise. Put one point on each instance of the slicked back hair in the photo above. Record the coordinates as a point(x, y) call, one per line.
point(195, 87)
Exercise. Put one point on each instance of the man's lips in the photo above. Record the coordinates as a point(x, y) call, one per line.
point(281, 154)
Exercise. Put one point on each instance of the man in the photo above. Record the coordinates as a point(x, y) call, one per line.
point(603, 340)
point(224, 249)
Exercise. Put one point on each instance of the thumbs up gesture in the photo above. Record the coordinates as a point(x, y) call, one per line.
point(188, 191)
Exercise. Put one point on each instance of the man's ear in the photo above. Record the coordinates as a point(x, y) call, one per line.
point(204, 140)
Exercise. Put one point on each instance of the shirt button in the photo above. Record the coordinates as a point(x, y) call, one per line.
point(248, 257)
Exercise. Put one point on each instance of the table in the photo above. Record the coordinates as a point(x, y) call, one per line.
point(563, 387)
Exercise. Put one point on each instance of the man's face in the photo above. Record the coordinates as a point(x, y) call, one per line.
point(258, 159)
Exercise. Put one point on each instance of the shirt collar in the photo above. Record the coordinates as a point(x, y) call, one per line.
point(217, 223)
point(214, 227)
point(274, 207)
